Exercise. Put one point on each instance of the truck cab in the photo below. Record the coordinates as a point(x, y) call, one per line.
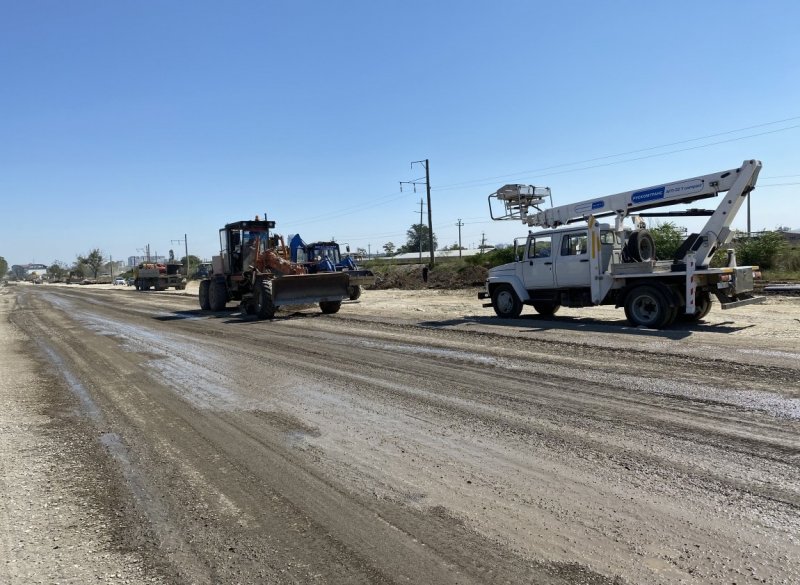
point(552, 269)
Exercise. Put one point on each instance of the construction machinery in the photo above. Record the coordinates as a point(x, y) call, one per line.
point(254, 268)
point(603, 264)
point(158, 276)
point(327, 257)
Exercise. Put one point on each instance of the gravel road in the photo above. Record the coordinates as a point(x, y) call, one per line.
point(410, 438)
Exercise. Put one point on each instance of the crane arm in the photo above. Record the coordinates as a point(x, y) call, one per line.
point(524, 202)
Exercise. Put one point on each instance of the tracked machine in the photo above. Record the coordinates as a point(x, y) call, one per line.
point(254, 268)
point(577, 261)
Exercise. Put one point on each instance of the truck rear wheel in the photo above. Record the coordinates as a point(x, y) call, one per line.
point(265, 307)
point(217, 295)
point(205, 305)
point(702, 308)
point(546, 309)
point(330, 307)
point(505, 302)
point(647, 306)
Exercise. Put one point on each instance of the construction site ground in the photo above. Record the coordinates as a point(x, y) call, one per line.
point(411, 438)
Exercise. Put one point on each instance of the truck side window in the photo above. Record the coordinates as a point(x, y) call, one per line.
point(539, 247)
point(574, 244)
point(608, 238)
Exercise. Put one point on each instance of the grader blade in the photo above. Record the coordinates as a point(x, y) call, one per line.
point(310, 288)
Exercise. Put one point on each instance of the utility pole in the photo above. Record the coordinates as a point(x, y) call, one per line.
point(460, 225)
point(483, 241)
point(186, 253)
point(419, 231)
point(415, 182)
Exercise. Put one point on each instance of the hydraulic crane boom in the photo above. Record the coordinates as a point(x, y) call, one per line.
point(524, 202)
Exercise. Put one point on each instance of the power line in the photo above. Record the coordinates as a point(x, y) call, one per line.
point(478, 182)
point(485, 181)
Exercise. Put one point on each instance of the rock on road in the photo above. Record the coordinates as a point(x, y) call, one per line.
point(410, 438)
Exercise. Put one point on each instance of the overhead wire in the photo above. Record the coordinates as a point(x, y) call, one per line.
point(608, 164)
point(485, 181)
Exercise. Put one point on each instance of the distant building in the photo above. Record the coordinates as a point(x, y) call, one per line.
point(26, 271)
point(793, 237)
point(411, 256)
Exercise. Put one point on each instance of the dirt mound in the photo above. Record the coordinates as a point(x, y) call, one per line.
point(413, 277)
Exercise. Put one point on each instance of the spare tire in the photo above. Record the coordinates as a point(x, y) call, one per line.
point(640, 247)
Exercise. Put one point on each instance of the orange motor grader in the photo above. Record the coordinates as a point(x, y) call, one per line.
point(253, 267)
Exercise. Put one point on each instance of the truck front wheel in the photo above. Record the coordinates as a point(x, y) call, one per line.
point(505, 302)
point(646, 306)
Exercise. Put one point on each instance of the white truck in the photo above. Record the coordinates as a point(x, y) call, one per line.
point(590, 263)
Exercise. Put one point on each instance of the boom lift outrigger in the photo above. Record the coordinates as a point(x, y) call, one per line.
point(621, 262)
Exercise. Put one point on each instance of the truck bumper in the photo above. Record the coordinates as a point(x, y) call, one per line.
point(741, 301)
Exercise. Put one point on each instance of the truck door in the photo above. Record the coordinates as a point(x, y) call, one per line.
point(572, 264)
point(538, 264)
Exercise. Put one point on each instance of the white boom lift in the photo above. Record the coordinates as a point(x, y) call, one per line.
point(596, 263)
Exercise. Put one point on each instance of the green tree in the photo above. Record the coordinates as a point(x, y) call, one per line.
point(416, 234)
point(57, 270)
point(667, 237)
point(94, 261)
point(762, 250)
point(389, 247)
point(194, 262)
point(3, 267)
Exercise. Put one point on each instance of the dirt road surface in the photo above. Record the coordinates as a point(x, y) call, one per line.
point(410, 438)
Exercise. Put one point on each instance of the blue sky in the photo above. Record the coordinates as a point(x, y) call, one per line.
point(131, 123)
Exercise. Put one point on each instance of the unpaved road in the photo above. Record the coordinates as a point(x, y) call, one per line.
point(411, 438)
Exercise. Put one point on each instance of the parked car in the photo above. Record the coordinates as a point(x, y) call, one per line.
point(119, 280)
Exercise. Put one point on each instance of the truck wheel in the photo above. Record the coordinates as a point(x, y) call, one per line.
point(265, 307)
point(702, 308)
point(330, 307)
point(546, 309)
point(205, 305)
point(217, 295)
point(144, 284)
point(646, 306)
point(136, 284)
point(505, 302)
point(355, 292)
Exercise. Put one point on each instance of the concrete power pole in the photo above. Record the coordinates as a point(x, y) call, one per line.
point(415, 182)
point(420, 229)
point(460, 224)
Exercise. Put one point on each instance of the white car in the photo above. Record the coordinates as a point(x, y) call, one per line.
point(119, 280)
